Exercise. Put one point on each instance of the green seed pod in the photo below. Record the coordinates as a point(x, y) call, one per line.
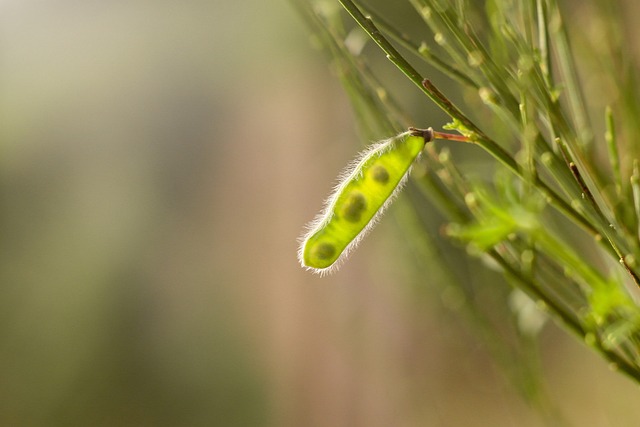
point(364, 190)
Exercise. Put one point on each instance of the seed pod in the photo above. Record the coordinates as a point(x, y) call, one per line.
point(364, 190)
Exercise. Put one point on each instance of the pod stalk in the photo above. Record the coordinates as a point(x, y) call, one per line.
point(429, 135)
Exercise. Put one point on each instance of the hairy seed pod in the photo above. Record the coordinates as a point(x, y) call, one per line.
point(364, 190)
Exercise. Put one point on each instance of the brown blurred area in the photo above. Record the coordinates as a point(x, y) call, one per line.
point(158, 162)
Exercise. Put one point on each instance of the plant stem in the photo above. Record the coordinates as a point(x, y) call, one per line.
point(421, 51)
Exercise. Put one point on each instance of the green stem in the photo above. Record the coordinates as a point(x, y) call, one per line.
point(421, 51)
point(503, 157)
point(612, 145)
point(572, 323)
point(569, 75)
point(392, 54)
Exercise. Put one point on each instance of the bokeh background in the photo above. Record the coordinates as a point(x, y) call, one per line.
point(159, 159)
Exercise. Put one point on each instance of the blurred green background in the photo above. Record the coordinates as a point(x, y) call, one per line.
point(159, 159)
